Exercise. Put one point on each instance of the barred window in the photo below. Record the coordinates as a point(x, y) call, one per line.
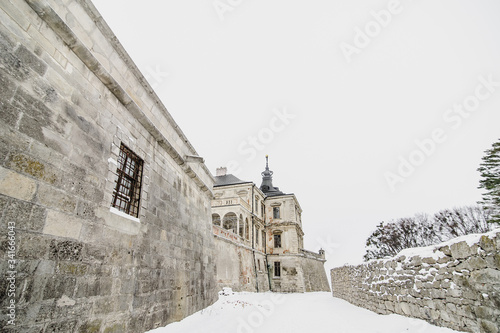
point(277, 269)
point(127, 193)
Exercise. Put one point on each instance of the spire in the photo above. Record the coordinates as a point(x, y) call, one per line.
point(267, 174)
point(267, 181)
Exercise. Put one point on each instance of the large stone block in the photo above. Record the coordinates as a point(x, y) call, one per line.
point(41, 40)
point(86, 210)
point(66, 250)
point(460, 250)
point(475, 263)
point(10, 115)
point(31, 127)
point(10, 63)
point(487, 276)
point(7, 86)
point(58, 285)
point(35, 168)
point(24, 215)
point(493, 260)
point(51, 197)
point(487, 326)
point(487, 244)
point(487, 313)
point(16, 185)
point(32, 106)
point(30, 60)
point(62, 225)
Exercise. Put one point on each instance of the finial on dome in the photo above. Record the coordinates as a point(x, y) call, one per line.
point(267, 181)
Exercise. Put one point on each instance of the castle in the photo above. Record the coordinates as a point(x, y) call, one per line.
point(259, 238)
point(110, 220)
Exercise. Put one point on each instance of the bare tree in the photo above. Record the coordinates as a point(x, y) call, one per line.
point(421, 230)
point(388, 239)
point(461, 221)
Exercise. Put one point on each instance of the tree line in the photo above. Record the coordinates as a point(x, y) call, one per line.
point(423, 230)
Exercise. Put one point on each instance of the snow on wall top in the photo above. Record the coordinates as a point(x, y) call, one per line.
point(433, 251)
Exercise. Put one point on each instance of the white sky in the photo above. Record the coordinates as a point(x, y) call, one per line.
point(223, 80)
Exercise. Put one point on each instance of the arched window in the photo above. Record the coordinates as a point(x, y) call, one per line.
point(246, 229)
point(257, 235)
point(216, 219)
point(240, 231)
point(229, 222)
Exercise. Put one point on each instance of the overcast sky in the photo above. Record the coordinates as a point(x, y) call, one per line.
point(369, 110)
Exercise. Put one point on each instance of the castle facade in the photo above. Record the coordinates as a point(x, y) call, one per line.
point(259, 239)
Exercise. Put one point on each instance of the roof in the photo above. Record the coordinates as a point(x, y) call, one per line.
point(267, 182)
point(274, 193)
point(228, 180)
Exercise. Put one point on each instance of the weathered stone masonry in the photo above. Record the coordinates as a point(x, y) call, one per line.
point(69, 97)
point(455, 284)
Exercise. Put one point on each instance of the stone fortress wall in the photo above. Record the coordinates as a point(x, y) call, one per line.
point(313, 271)
point(454, 284)
point(238, 269)
point(236, 266)
point(70, 97)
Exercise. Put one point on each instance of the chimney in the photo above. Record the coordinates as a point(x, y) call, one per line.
point(221, 171)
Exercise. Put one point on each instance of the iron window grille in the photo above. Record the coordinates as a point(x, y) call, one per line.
point(127, 193)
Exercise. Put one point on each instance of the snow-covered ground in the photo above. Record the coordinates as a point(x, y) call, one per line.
point(288, 313)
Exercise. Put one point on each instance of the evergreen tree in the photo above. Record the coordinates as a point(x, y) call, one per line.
point(490, 182)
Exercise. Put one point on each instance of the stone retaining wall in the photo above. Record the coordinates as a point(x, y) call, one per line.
point(454, 284)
